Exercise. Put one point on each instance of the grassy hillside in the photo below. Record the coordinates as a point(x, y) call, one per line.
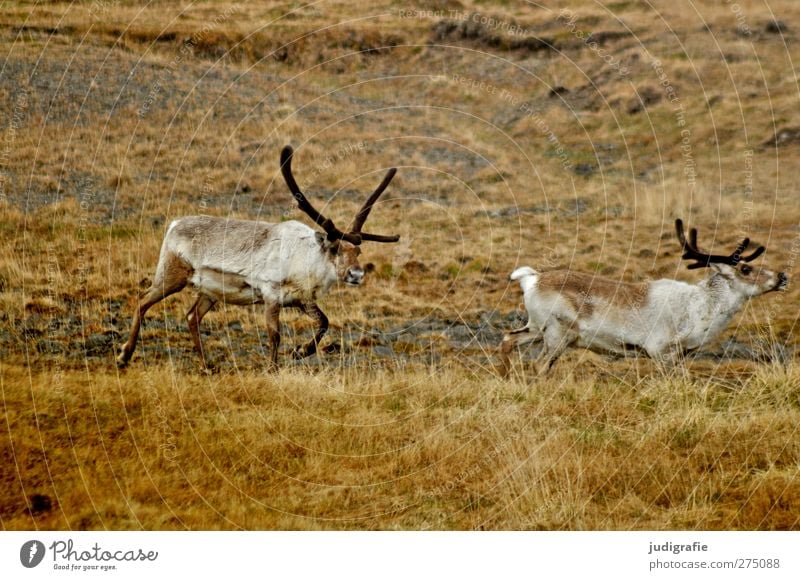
point(567, 136)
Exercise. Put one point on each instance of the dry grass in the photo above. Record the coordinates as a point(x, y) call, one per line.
point(118, 118)
point(409, 448)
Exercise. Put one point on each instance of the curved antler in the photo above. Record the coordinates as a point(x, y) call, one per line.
point(758, 251)
point(354, 236)
point(703, 260)
point(327, 224)
point(363, 213)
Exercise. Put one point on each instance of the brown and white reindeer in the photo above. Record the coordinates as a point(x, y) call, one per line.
point(246, 262)
point(662, 318)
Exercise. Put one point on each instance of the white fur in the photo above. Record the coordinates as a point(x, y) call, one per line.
point(285, 264)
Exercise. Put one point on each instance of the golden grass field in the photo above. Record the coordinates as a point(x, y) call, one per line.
point(518, 141)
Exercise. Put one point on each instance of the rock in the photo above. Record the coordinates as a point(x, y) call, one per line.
point(585, 169)
point(783, 137)
point(616, 211)
point(415, 267)
point(515, 210)
point(760, 351)
point(646, 97)
point(487, 334)
point(492, 317)
point(236, 326)
point(780, 353)
point(30, 328)
point(383, 351)
point(309, 362)
point(776, 27)
point(577, 207)
point(369, 338)
point(407, 337)
point(99, 344)
point(731, 348)
point(49, 347)
point(460, 334)
point(39, 503)
point(472, 28)
point(494, 321)
point(412, 328)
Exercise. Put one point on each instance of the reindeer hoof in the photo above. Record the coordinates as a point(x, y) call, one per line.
point(332, 348)
point(209, 367)
point(123, 359)
point(209, 370)
point(300, 352)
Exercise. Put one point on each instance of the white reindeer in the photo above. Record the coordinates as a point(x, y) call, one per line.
point(662, 318)
point(247, 262)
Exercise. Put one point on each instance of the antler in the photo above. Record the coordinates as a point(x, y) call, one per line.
point(703, 260)
point(363, 213)
point(327, 224)
point(355, 236)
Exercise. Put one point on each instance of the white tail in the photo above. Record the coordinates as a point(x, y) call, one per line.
point(522, 272)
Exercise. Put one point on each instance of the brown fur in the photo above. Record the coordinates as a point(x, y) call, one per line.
point(759, 276)
point(347, 258)
point(248, 235)
point(585, 291)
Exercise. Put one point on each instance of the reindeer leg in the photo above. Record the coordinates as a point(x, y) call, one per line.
point(556, 340)
point(667, 358)
point(195, 315)
point(171, 276)
point(274, 332)
point(310, 347)
point(514, 339)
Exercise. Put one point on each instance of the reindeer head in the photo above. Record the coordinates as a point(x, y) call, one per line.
point(341, 247)
point(744, 278)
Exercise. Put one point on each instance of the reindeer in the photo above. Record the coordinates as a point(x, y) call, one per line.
point(246, 262)
point(663, 319)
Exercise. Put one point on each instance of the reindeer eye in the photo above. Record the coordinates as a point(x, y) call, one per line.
point(746, 270)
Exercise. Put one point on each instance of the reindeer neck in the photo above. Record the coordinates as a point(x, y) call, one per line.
point(722, 298)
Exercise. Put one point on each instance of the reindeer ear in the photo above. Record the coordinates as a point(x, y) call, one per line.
point(325, 243)
point(723, 269)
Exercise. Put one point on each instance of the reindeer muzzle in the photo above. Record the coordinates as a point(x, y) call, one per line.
point(354, 276)
point(783, 281)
